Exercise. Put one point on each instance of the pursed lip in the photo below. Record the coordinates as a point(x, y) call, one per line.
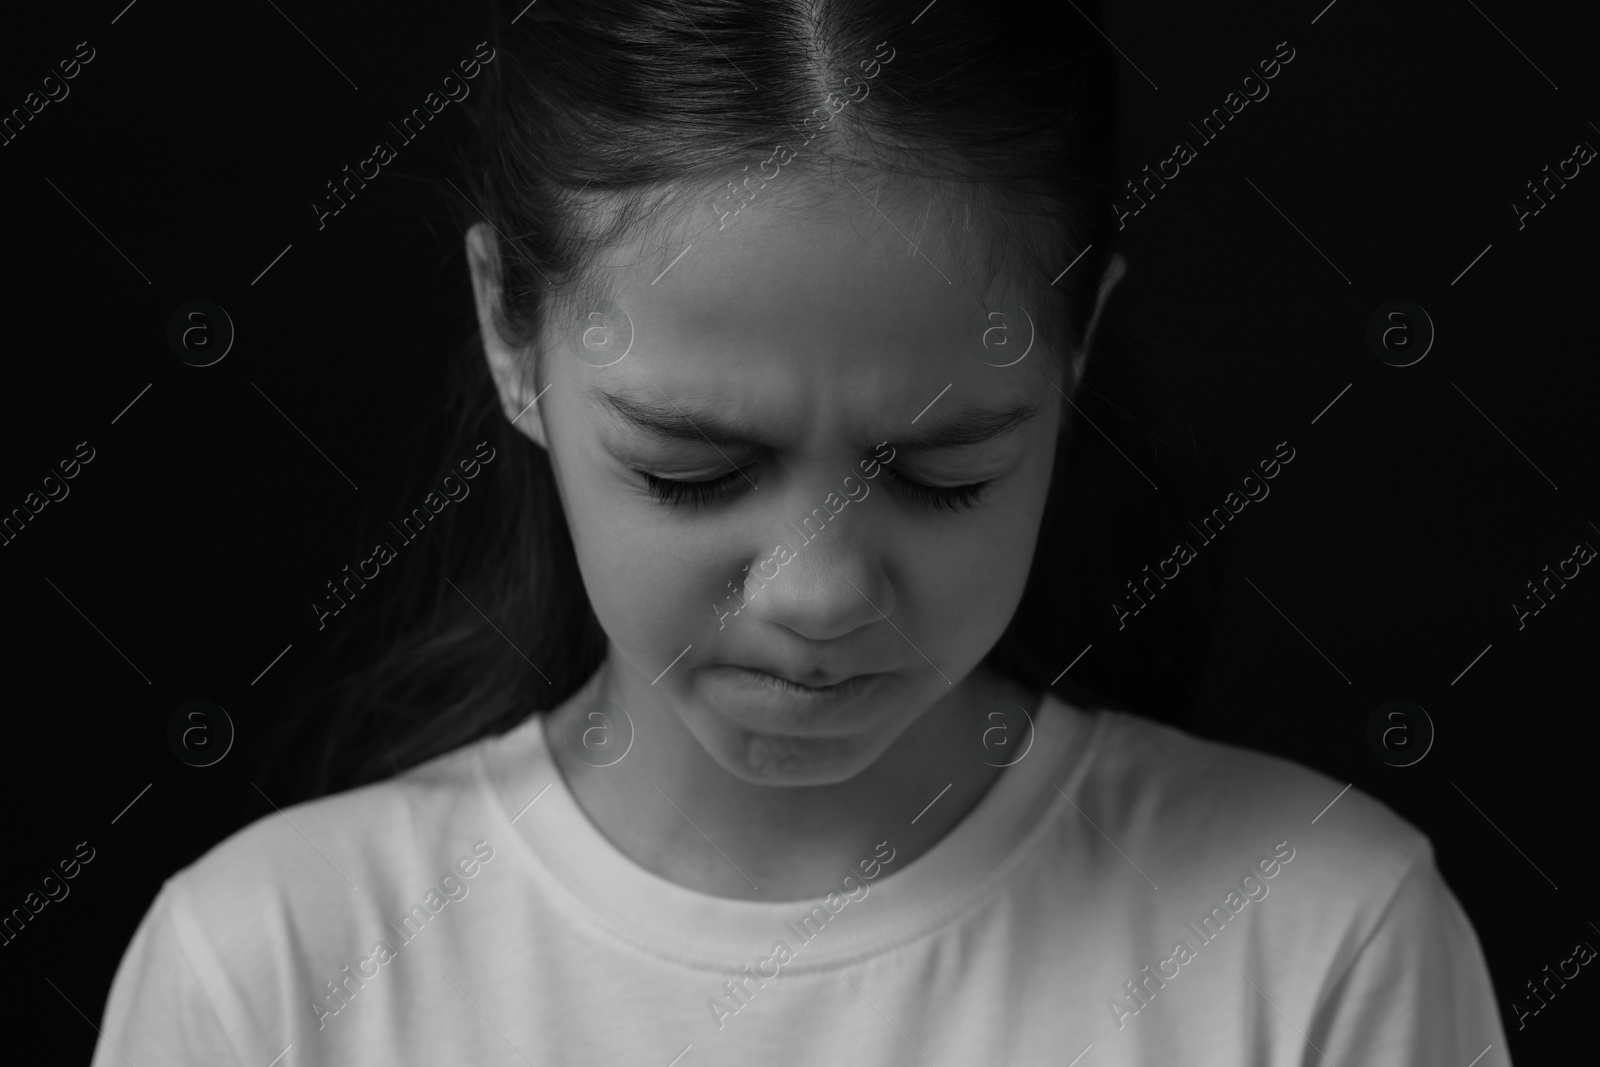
point(820, 684)
point(816, 678)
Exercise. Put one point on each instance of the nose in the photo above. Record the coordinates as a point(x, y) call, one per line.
point(830, 578)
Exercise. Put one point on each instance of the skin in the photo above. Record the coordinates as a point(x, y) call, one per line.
point(822, 333)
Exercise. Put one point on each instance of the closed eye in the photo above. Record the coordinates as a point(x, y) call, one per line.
point(941, 497)
point(698, 494)
point(694, 495)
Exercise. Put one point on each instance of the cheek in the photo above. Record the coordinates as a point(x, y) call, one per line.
point(972, 570)
point(650, 577)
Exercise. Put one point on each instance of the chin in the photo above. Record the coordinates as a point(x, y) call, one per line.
point(770, 759)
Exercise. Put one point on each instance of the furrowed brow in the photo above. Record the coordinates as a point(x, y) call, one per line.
point(968, 426)
point(667, 419)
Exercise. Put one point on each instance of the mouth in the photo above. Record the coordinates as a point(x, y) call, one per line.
point(845, 687)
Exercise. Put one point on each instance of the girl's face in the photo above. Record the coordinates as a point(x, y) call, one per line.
point(832, 390)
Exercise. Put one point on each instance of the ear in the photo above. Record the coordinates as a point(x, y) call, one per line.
point(1115, 271)
point(509, 366)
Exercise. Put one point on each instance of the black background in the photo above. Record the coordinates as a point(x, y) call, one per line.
point(1417, 505)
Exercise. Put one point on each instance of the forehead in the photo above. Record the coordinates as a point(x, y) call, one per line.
point(852, 309)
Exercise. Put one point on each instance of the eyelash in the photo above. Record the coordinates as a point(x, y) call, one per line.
point(942, 497)
point(696, 495)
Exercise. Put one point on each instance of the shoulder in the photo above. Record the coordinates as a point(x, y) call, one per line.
point(1288, 885)
point(243, 939)
point(1202, 808)
point(302, 874)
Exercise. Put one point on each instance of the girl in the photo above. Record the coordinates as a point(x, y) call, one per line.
point(735, 739)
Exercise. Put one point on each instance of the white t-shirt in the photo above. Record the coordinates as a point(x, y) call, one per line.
point(1125, 894)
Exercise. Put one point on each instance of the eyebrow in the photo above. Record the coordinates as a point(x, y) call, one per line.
point(672, 421)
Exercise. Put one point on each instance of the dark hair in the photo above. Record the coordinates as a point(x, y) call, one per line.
point(595, 114)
